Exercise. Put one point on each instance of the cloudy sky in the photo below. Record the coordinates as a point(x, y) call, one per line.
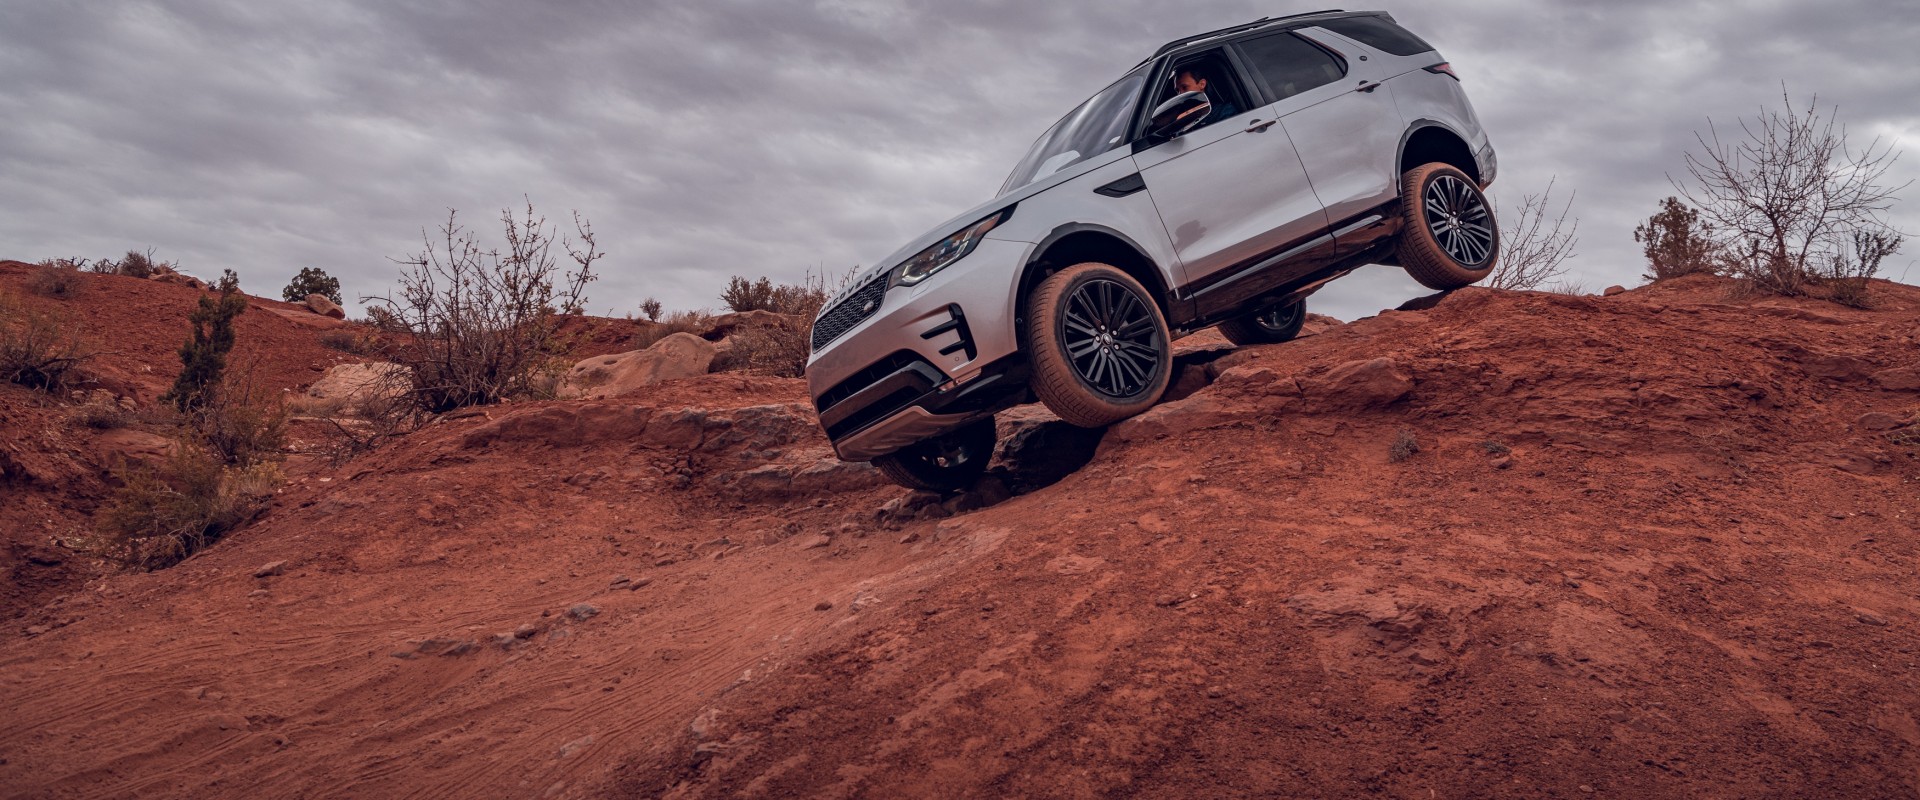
point(705, 139)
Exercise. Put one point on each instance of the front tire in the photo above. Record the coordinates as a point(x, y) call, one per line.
point(1099, 345)
point(950, 462)
point(1448, 236)
point(1270, 325)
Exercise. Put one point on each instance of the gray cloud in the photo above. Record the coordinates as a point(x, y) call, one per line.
point(710, 139)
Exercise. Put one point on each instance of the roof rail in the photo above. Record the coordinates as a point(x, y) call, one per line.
point(1183, 41)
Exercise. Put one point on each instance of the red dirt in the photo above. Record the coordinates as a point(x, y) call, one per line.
point(1692, 575)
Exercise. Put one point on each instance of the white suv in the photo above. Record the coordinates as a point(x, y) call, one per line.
point(1220, 182)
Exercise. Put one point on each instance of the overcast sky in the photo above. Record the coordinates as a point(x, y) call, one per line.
point(705, 139)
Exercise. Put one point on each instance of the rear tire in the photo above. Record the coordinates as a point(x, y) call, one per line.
point(1270, 325)
point(1449, 237)
point(1099, 345)
point(950, 462)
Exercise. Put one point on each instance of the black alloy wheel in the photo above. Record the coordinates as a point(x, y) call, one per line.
point(1112, 338)
point(1458, 218)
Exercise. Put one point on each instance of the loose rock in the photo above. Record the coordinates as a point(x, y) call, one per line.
point(583, 611)
point(271, 569)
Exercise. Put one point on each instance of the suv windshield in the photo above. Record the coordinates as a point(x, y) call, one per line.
point(1098, 125)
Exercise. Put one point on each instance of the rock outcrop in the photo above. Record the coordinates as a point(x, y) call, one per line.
point(681, 355)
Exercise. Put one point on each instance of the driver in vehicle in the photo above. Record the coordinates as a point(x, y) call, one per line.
point(1194, 79)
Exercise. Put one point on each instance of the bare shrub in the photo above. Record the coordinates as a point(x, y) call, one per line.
point(241, 423)
point(38, 350)
point(694, 322)
point(1847, 271)
point(162, 514)
point(651, 309)
point(358, 338)
point(1677, 242)
point(59, 279)
point(482, 324)
point(1494, 447)
point(1788, 199)
point(768, 350)
point(1404, 445)
point(1534, 247)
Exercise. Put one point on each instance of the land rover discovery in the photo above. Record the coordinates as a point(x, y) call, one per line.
point(1220, 182)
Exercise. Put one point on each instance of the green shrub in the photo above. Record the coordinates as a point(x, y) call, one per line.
point(312, 280)
point(203, 358)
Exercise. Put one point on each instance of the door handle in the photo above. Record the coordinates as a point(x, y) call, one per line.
point(1367, 87)
point(1257, 126)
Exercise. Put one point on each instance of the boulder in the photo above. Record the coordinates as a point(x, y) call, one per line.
point(1362, 384)
point(1878, 421)
point(319, 304)
point(681, 355)
point(1899, 379)
point(726, 325)
point(169, 276)
point(1613, 290)
point(353, 389)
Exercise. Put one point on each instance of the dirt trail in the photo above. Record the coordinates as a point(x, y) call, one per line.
point(1649, 545)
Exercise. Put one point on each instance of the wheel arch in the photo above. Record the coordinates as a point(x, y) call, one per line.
point(1076, 243)
point(1427, 141)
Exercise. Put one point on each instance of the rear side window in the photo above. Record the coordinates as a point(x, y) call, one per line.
point(1289, 65)
point(1379, 34)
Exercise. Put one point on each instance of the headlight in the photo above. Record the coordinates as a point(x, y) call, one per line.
point(953, 248)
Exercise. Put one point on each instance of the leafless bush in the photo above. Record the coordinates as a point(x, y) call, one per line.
point(38, 350)
point(1847, 271)
point(240, 422)
point(1533, 247)
point(165, 513)
point(59, 279)
point(1788, 201)
point(651, 309)
point(358, 338)
point(482, 324)
point(1677, 242)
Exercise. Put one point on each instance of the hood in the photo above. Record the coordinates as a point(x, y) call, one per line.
point(968, 217)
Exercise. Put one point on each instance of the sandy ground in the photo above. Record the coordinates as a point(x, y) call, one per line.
point(1651, 545)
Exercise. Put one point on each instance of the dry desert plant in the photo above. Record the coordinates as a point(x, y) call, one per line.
point(1534, 247)
point(1677, 242)
point(163, 513)
point(1789, 202)
point(38, 350)
point(482, 324)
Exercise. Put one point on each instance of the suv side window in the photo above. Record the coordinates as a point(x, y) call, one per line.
point(1222, 85)
point(1379, 34)
point(1289, 65)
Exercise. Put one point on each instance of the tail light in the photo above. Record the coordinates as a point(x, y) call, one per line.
point(1444, 68)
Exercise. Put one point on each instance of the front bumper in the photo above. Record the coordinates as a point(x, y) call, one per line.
point(919, 364)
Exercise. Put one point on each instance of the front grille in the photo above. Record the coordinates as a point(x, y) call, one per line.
point(841, 318)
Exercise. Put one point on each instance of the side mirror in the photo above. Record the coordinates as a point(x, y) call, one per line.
point(1179, 114)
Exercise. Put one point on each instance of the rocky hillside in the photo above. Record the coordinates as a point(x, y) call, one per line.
point(1655, 544)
